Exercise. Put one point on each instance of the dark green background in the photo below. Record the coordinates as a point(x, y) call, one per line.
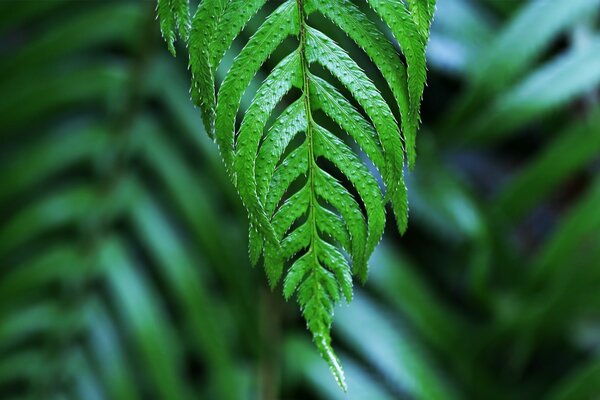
point(123, 261)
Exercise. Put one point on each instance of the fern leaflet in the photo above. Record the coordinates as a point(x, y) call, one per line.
point(174, 18)
point(310, 197)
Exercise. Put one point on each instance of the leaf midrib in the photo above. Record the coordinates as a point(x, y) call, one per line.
point(309, 126)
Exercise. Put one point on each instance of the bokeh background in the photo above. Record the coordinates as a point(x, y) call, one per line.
point(123, 261)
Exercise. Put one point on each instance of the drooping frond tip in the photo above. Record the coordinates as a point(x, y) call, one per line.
point(174, 16)
point(311, 228)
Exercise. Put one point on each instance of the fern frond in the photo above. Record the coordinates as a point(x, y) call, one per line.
point(313, 202)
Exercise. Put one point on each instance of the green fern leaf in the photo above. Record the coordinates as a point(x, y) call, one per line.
point(316, 210)
point(412, 44)
point(422, 13)
point(215, 25)
point(174, 18)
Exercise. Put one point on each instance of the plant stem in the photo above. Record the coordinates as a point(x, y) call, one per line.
point(270, 326)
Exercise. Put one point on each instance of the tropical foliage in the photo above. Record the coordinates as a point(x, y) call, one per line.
point(309, 225)
point(123, 261)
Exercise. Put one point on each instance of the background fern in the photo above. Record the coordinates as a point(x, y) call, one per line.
point(123, 264)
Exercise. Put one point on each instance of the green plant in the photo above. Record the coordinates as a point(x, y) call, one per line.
point(124, 272)
point(307, 224)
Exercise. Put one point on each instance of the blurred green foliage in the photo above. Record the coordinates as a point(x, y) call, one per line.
point(123, 271)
